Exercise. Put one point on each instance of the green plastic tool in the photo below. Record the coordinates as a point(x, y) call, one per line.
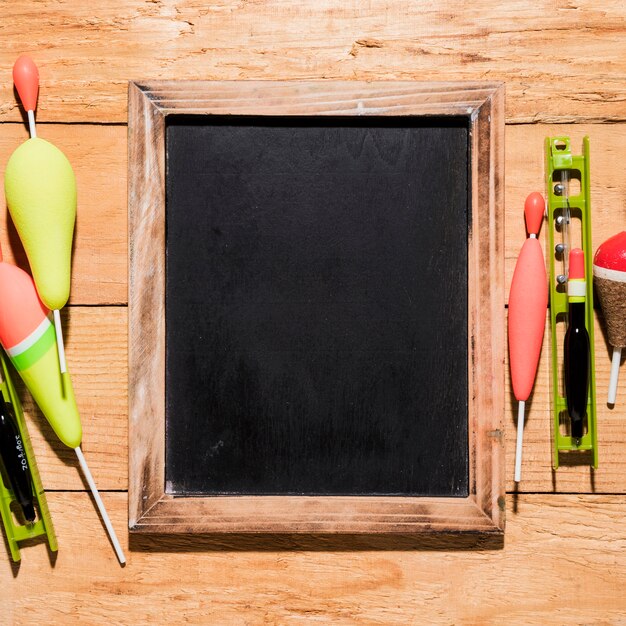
point(16, 533)
point(563, 209)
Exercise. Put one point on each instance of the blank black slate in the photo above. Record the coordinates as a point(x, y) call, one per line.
point(316, 306)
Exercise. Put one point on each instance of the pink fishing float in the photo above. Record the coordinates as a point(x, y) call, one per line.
point(528, 301)
point(28, 336)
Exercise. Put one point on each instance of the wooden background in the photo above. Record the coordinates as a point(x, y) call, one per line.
point(563, 559)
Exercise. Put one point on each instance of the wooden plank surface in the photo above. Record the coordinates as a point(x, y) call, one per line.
point(99, 157)
point(562, 60)
point(563, 561)
point(563, 555)
point(575, 473)
point(525, 173)
point(97, 360)
point(97, 337)
point(97, 356)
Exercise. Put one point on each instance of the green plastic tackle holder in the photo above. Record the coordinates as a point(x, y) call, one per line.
point(563, 210)
point(16, 532)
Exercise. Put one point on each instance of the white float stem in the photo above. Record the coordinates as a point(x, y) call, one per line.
point(520, 440)
point(103, 512)
point(31, 124)
point(617, 357)
point(60, 345)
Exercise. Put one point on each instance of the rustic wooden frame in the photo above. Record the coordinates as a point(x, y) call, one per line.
point(151, 509)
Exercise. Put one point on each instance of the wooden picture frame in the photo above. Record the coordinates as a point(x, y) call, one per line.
point(151, 509)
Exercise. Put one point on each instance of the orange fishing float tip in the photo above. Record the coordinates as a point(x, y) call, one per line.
point(26, 80)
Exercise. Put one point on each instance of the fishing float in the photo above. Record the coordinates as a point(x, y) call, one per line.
point(40, 188)
point(528, 302)
point(609, 277)
point(26, 81)
point(28, 337)
point(576, 351)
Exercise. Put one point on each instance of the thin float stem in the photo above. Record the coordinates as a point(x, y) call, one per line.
point(617, 357)
point(60, 345)
point(103, 512)
point(31, 124)
point(520, 440)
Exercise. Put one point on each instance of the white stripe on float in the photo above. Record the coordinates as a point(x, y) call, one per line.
point(31, 340)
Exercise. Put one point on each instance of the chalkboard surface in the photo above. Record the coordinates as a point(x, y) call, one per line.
point(316, 305)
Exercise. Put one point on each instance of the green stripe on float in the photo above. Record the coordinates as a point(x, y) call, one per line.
point(36, 351)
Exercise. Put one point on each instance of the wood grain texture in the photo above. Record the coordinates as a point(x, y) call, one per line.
point(98, 157)
point(103, 332)
point(318, 97)
point(146, 323)
point(563, 560)
point(525, 167)
point(574, 473)
point(562, 61)
point(152, 508)
point(97, 357)
point(484, 297)
point(563, 557)
point(98, 362)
